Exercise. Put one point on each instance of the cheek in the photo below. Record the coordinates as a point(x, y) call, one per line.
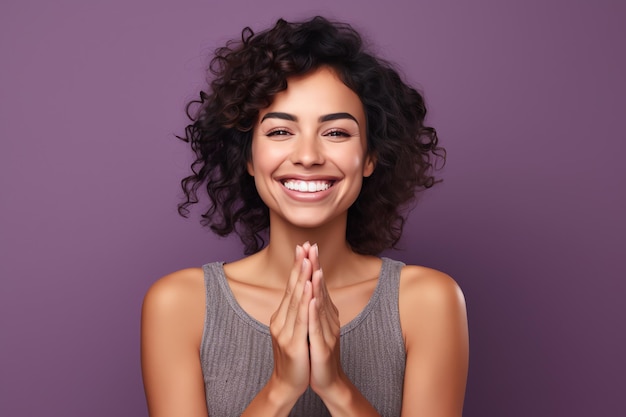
point(265, 159)
point(356, 162)
point(353, 160)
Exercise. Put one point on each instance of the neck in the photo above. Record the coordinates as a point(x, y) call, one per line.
point(335, 253)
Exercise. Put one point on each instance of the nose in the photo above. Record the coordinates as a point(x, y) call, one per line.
point(307, 151)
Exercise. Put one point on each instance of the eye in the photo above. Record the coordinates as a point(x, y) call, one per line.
point(337, 133)
point(278, 132)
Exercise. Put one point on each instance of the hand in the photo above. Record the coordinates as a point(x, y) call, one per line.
point(323, 329)
point(289, 328)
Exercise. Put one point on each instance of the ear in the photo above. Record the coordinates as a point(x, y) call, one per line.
point(250, 168)
point(369, 165)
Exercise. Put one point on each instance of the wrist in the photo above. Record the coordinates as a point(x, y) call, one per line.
point(276, 399)
point(337, 392)
point(343, 398)
point(282, 394)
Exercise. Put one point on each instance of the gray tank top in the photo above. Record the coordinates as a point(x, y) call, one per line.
point(237, 361)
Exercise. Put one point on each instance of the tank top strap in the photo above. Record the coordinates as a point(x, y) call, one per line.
point(389, 283)
point(390, 277)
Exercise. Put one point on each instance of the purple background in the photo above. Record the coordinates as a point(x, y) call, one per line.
point(528, 98)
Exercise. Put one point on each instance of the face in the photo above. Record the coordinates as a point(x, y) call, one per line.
point(309, 150)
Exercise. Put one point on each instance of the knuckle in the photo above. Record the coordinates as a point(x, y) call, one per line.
point(275, 328)
point(300, 320)
point(288, 292)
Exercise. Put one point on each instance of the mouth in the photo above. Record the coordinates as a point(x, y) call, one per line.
point(307, 186)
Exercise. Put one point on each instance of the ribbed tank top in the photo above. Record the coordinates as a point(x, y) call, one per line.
point(236, 350)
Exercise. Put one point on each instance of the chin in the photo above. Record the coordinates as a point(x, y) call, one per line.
point(312, 220)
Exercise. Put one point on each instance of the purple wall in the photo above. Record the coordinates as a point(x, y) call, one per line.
point(528, 97)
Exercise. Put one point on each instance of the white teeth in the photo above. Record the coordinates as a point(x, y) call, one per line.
point(306, 186)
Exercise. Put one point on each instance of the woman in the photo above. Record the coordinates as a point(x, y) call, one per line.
point(310, 143)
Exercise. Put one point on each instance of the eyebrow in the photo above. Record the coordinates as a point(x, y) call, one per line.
point(337, 116)
point(324, 118)
point(276, 115)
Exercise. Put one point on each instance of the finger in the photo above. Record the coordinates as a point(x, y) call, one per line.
point(327, 312)
point(296, 296)
point(319, 318)
point(328, 301)
point(281, 312)
point(316, 337)
point(320, 291)
point(316, 280)
point(322, 334)
point(314, 256)
point(332, 308)
point(297, 264)
point(301, 324)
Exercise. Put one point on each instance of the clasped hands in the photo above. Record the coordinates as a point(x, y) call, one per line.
point(305, 329)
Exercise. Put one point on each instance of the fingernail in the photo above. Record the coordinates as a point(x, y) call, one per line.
point(317, 251)
point(304, 261)
point(298, 249)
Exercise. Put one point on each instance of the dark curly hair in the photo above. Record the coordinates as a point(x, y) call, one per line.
point(246, 76)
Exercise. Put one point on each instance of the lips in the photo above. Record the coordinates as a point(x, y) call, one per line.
point(307, 186)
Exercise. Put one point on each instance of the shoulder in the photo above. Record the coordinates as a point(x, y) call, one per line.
point(171, 332)
point(176, 298)
point(430, 286)
point(175, 289)
point(430, 300)
point(434, 325)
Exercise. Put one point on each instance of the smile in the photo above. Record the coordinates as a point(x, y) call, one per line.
point(307, 186)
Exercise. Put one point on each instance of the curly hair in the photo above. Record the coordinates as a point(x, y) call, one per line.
point(246, 76)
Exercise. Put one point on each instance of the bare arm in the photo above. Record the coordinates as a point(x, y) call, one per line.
point(434, 323)
point(171, 329)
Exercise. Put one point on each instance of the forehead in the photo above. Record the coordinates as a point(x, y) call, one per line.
point(316, 93)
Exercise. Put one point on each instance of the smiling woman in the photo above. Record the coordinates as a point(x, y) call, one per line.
point(306, 138)
point(309, 151)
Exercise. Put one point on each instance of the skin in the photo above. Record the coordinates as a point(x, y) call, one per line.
point(314, 130)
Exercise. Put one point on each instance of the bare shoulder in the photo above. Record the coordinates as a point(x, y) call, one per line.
point(176, 298)
point(434, 325)
point(430, 301)
point(427, 288)
point(171, 331)
point(176, 289)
